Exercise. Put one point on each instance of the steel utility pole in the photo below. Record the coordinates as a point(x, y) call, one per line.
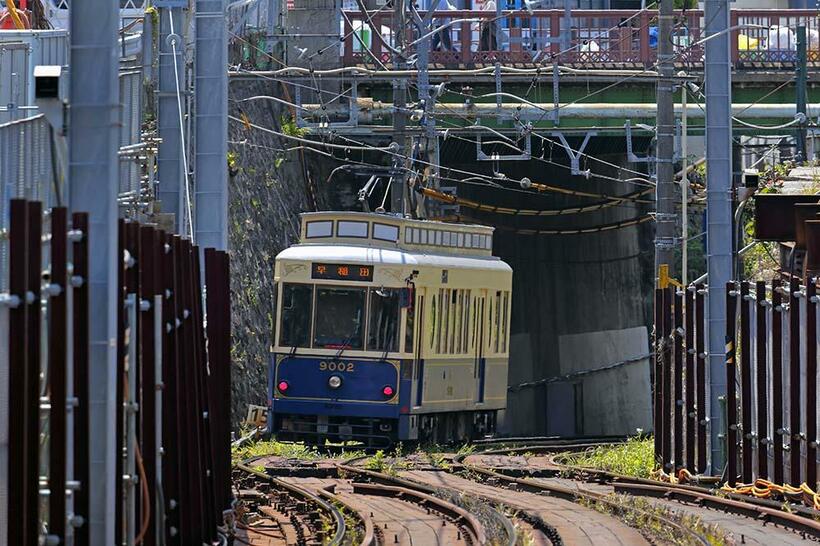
point(397, 183)
point(211, 100)
point(171, 78)
point(718, 73)
point(665, 219)
point(93, 136)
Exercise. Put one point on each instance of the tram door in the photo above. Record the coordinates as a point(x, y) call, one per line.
point(479, 341)
point(418, 361)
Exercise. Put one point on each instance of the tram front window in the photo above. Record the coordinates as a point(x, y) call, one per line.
point(297, 302)
point(339, 318)
point(383, 334)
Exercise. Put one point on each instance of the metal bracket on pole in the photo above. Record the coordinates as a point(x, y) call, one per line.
point(353, 111)
point(575, 155)
point(526, 156)
point(629, 153)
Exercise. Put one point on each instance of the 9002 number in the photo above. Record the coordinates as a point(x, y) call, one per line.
point(336, 366)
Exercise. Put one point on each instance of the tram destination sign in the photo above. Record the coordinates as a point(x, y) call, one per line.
point(342, 272)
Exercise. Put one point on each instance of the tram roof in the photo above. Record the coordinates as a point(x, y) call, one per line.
point(373, 255)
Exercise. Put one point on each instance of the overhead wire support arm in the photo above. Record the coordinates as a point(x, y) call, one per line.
point(575, 155)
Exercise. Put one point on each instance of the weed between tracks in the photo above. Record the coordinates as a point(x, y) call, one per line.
point(644, 516)
point(386, 464)
point(291, 451)
point(354, 528)
point(486, 514)
point(635, 458)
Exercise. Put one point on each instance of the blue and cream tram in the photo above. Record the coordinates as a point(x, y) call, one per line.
point(389, 329)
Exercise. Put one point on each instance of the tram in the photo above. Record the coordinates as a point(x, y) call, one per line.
point(388, 329)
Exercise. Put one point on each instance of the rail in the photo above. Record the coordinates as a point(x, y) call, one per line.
point(608, 37)
point(328, 508)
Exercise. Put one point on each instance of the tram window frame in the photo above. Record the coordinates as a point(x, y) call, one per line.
point(425, 233)
point(385, 232)
point(284, 321)
point(373, 297)
point(362, 319)
point(408, 234)
point(349, 224)
point(317, 224)
point(437, 238)
point(445, 239)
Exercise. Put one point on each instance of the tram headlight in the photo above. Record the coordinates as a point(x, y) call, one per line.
point(334, 382)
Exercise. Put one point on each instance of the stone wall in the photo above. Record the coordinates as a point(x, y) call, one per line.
point(268, 190)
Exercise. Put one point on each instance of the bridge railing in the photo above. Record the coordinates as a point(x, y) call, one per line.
point(578, 36)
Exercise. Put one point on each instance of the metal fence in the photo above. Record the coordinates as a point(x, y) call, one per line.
point(130, 133)
point(172, 377)
point(20, 52)
point(626, 37)
point(25, 172)
point(770, 407)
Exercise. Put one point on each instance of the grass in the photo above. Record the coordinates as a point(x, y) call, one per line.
point(643, 515)
point(635, 458)
point(289, 451)
point(389, 464)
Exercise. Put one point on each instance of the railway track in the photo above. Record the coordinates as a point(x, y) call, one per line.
point(765, 522)
point(275, 512)
point(502, 495)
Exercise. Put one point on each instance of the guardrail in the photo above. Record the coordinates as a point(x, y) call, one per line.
point(622, 37)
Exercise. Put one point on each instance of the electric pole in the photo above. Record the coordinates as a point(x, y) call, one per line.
point(718, 73)
point(397, 184)
point(665, 220)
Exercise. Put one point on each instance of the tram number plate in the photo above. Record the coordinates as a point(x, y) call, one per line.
point(342, 272)
point(337, 366)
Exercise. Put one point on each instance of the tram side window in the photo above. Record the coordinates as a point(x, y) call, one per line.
point(383, 330)
point(497, 320)
point(504, 320)
point(458, 299)
point(339, 318)
point(466, 322)
point(410, 324)
point(297, 304)
point(434, 323)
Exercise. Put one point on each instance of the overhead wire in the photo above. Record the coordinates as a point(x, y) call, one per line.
point(548, 231)
point(469, 203)
point(540, 136)
point(486, 179)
